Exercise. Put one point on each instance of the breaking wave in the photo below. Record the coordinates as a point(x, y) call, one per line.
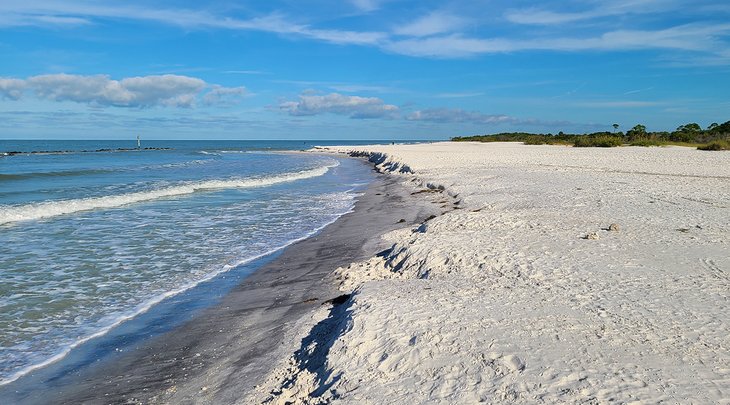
point(27, 212)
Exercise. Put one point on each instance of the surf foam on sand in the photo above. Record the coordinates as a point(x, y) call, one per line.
point(527, 293)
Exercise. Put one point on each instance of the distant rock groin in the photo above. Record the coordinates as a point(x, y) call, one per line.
point(61, 152)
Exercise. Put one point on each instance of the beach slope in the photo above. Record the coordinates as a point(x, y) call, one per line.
point(224, 352)
point(571, 275)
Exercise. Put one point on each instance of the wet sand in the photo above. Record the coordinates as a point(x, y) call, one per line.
point(224, 352)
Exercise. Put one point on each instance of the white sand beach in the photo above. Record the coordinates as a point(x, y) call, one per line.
point(523, 294)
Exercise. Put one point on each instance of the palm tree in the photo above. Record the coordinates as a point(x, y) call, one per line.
point(615, 127)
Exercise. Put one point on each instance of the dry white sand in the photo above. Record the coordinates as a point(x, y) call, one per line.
point(505, 300)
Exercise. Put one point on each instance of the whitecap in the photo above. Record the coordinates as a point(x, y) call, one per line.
point(27, 212)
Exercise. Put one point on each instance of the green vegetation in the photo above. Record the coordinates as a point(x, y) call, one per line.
point(716, 145)
point(637, 132)
point(715, 137)
point(647, 142)
point(598, 141)
point(544, 140)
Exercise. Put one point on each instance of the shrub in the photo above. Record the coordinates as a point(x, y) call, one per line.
point(598, 141)
point(679, 136)
point(646, 142)
point(716, 145)
point(536, 140)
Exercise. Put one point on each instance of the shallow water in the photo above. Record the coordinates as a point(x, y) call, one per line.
point(89, 240)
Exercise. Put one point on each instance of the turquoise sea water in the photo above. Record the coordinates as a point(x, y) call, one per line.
point(89, 240)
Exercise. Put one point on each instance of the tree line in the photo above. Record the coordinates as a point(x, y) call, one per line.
point(714, 137)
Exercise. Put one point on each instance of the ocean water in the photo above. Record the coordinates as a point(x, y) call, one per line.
point(90, 240)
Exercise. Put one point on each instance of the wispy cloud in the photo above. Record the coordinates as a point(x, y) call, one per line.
point(545, 17)
point(455, 115)
point(11, 19)
point(435, 34)
point(342, 87)
point(103, 91)
point(356, 88)
point(619, 104)
point(540, 16)
point(637, 91)
point(245, 72)
point(366, 5)
point(451, 46)
point(459, 95)
point(72, 120)
point(14, 13)
point(340, 104)
point(688, 37)
point(430, 24)
point(449, 115)
point(311, 104)
point(223, 95)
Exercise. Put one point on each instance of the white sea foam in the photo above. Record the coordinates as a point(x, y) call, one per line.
point(27, 212)
point(147, 305)
point(205, 152)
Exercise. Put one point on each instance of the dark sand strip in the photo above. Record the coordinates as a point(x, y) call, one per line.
point(223, 353)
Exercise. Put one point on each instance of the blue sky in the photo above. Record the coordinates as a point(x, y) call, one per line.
point(359, 69)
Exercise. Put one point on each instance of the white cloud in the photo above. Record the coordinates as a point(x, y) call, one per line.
point(431, 24)
point(345, 37)
point(343, 87)
point(545, 17)
point(245, 72)
point(335, 103)
point(278, 24)
point(147, 91)
point(449, 115)
point(19, 20)
point(619, 104)
point(459, 95)
point(688, 37)
point(354, 88)
point(223, 95)
point(61, 20)
point(537, 16)
point(436, 34)
point(455, 115)
point(366, 5)
point(451, 46)
point(371, 107)
point(101, 90)
point(42, 13)
point(637, 90)
point(11, 88)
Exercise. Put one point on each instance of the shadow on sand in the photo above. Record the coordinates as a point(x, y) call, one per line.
point(312, 354)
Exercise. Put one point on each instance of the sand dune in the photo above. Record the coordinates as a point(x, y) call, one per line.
point(505, 300)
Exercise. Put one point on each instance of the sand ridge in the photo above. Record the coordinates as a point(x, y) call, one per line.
point(506, 300)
